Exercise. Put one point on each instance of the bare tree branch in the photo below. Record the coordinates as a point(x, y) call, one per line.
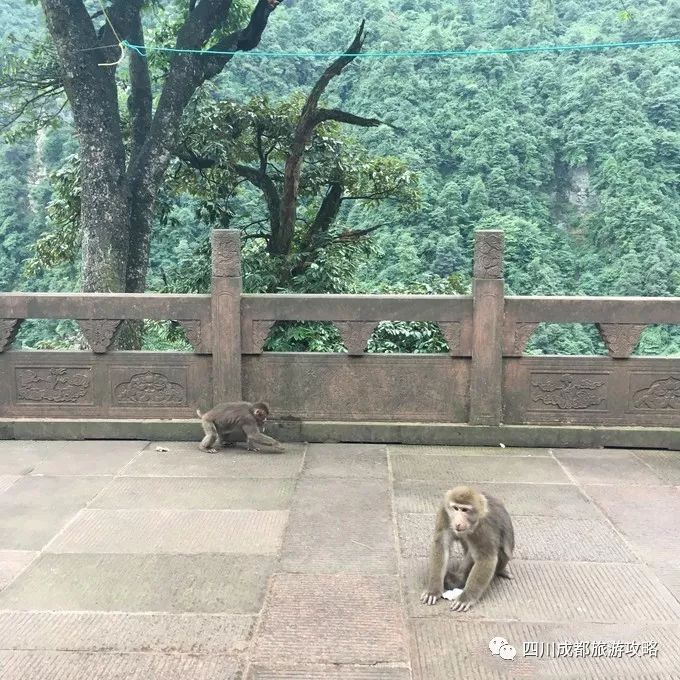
point(304, 131)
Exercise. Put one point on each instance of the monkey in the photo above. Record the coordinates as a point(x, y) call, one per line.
point(484, 528)
point(242, 418)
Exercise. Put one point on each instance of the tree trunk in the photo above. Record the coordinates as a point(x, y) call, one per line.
point(92, 93)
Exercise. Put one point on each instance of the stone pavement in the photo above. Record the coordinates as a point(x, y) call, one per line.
point(119, 561)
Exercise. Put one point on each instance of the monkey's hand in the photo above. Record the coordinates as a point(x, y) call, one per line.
point(462, 603)
point(430, 597)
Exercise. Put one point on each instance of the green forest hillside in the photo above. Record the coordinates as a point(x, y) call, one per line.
point(575, 155)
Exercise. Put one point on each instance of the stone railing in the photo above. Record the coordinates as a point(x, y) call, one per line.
point(482, 391)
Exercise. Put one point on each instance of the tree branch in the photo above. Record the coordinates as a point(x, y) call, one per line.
point(304, 131)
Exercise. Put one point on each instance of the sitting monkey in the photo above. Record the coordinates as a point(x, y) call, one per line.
point(484, 528)
point(243, 419)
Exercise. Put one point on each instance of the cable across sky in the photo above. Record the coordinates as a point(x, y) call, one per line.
point(144, 50)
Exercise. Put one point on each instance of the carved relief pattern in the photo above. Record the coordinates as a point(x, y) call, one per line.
point(488, 255)
point(226, 255)
point(620, 338)
point(567, 392)
point(661, 395)
point(149, 388)
point(57, 385)
point(523, 331)
point(451, 333)
point(8, 331)
point(260, 334)
point(192, 328)
point(99, 333)
point(355, 334)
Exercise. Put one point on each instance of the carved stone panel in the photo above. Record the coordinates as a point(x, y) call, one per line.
point(99, 333)
point(523, 331)
point(192, 328)
point(620, 338)
point(226, 252)
point(148, 388)
point(369, 387)
point(57, 385)
point(355, 335)
point(260, 334)
point(488, 263)
point(567, 392)
point(662, 394)
point(451, 332)
point(8, 331)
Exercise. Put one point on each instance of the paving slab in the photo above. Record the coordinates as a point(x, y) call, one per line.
point(41, 665)
point(646, 516)
point(596, 466)
point(669, 574)
point(336, 526)
point(195, 493)
point(173, 531)
point(558, 592)
point(471, 469)
point(183, 460)
point(6, 481)
point(536, 538)
point(331, 619)
point(89, 458)
point(666, 464)
point(12, 563)
point(320, 672)
point(543, 500)
point(485, 451)
point(141, 583)
point(125, 632)
point(346, 460)
point(21, 457)
point(550, 651)
point(34, 509)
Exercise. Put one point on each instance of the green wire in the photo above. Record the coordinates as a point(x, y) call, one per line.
point(143, 50)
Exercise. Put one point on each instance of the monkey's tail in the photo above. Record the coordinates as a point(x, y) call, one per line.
point(198, 413)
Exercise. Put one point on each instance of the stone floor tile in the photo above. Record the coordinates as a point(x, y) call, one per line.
point(12, 563)
point(331, 619)
point(475, 469)
point(141, 583)
point(346, 460)
point(34, 509)
point(125, 632)
point(666, 464)
point(173, 531)
point(558, 592)
point(89, 458)
point(546, 500)
point(619, 467)
point(42, 665)
point(340, 525)
point(186, 460)
point(195, 493)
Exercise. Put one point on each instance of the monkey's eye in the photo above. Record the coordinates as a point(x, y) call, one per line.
point(454, 507)
point(464, 509)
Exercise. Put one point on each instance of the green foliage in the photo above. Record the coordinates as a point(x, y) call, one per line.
point(575, 156)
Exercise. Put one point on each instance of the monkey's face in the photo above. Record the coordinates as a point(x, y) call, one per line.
point(463, 518)
point(260, 415)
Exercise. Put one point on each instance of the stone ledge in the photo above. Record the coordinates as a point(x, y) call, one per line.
point(450, 434)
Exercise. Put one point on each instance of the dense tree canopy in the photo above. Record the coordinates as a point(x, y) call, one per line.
point(576, 156)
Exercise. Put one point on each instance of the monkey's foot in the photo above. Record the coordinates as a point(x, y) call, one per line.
point(505, 574)
point(461, 605)
point(429, 597)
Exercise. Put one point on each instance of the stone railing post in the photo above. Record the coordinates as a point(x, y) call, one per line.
point(486, 379)
point(226, 315)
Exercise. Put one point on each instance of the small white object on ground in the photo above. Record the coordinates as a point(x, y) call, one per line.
point(452, 594)
point(162, 449)
point(502, 445)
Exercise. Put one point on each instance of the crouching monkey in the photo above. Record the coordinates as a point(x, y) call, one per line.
point(241, 418)
point(484, 528)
